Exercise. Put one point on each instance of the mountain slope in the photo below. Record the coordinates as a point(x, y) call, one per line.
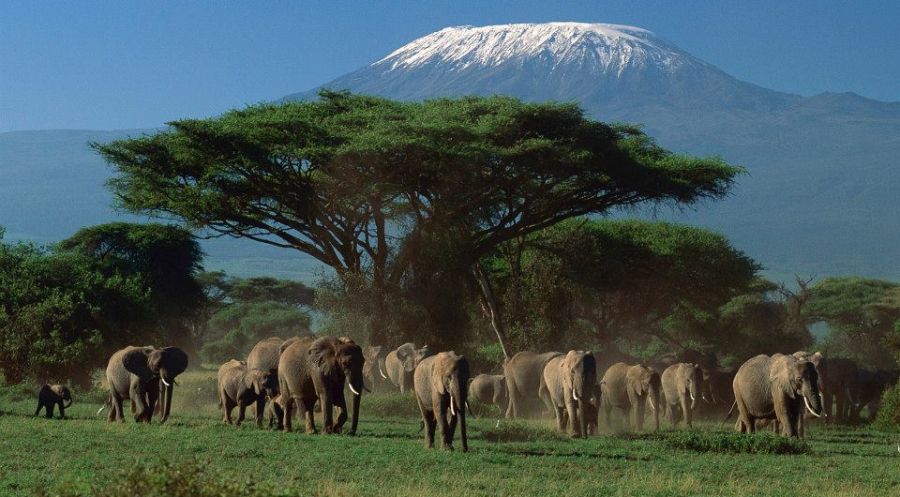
point(820, 196)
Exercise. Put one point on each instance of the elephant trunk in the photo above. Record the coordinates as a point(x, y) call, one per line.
point(582, 418)
point(356, 386)
point(167, 402)
point(458, 397)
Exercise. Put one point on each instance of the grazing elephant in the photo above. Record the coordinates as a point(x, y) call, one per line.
point(275, 412)
point(440, 382)
point(240, 386)
point(490, 389)
point(51, 396)
point(630, 388)
point(776, 387)
point(374, 371)
point(682, 385)
point(142, 374)
point(568, 382)
point(523, 374)
point(400, 364)
point(311, 370)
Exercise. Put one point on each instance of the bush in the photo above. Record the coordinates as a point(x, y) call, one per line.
point(734, 443)
point(170, 479)
point(888, 417)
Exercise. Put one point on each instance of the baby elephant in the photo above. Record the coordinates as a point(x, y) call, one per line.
point(53, 395)
point(490, 389)
point(240, 386)
point(275, 412)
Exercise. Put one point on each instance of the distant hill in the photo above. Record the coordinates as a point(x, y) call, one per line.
point(824, 171)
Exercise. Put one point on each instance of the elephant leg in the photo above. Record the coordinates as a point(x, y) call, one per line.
point(62, 410)
point(341, 405)
point(607, 415)
point(49, 408)
point(572, 412)
point(441, 404)
point(686, 410)
point(118, 410)
point(451, 426)
point(308, 411)
point(228, 405)
point(288, 412)
point(242, 412)
point(260, 410)
point(560, 419)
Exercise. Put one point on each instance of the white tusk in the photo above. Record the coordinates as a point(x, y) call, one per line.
point(692, 397)
point(452, 410)
point(652, 405)
point(166, 383)
point(352, 389)
point(381, 372)
point(100, 410)
point(574, 397)
point(809, 408)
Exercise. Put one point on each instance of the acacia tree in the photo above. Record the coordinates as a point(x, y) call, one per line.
point(363, 183)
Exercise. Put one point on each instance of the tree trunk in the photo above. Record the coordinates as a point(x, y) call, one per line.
point(492, 309)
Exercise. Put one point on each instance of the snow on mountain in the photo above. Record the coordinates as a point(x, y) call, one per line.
point(601, 47)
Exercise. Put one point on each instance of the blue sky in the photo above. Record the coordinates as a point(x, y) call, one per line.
point(125, 64)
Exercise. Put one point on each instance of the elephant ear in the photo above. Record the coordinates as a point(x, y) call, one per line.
point(321, 353)
point(783, 378)
point(174, 360)
point(135, 361)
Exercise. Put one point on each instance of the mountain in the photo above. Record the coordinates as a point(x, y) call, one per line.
point(820, 196)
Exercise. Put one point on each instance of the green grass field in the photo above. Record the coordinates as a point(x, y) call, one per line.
point(195, 454)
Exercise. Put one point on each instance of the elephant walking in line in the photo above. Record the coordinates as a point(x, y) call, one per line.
point(630, 389)
point(142, 374)
point(375, 371)
point(441, 383)
point(523, 374)
point(776, 387)
point(311, 370)
point(568, 381)
point(400, 364)
point(840, 385)
point(490, 389)
point(52, 396)
point(682, 385)
point(239, 386)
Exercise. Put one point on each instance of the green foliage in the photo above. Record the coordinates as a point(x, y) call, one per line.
point(888, 417)
point(518, 431)
point(241, 324)
point(735, 443)
point(863, 315)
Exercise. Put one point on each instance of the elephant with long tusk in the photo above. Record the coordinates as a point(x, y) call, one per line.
point(568, 381)
point(375, 371)
point(144, 375)
point(779, 387)
point(441, 383)
point(682, 383)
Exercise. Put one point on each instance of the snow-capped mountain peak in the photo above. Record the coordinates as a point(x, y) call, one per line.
point(609, 48)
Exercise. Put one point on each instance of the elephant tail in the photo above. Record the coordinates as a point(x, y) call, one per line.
point(730, 412)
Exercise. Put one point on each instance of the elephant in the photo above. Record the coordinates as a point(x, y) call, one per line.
point(776, 387)
point(872, 385)
point(682, 385)
point(490, 389)
point(523, 374)
point(275, 412)
point(568, 382)
point(441, 382)
point(718, 390)
point(592, 410)
point(51, 396)
point(630, 388)
point(374, 371)
point(401, 362)
point(142, 374)
point(240, 386)
point(316, 369)
point(840, 387)
point(264, 355)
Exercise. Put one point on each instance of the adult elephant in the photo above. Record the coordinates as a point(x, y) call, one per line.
point(841, 387)
point(142, 374)
point(776, 387)
point(240, 386)
point(374, 370)
point(264, 355)
point(400, 364)
point(872, 385)
point(441, 383)
point(568, 381)
point(311, 370)
point(682, 385)
point(523, 374)
point(630, 388)
point(490, 389)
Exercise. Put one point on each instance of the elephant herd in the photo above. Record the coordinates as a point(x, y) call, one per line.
point(311, 374)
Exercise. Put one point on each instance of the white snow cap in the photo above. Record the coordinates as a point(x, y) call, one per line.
point(612, 46)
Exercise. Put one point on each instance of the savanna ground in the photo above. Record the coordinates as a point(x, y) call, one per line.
point(195, 454)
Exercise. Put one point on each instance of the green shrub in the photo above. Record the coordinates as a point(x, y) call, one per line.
point(191, 479)
point(889, 413)
point(736, 443)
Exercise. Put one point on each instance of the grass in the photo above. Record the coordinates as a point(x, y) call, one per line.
point(195, 454)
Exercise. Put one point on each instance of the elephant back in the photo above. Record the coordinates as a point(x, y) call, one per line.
point(264, 355)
